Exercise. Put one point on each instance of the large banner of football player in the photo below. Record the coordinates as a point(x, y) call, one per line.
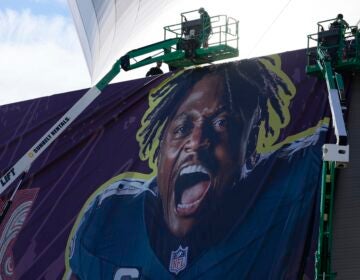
point(205, 173)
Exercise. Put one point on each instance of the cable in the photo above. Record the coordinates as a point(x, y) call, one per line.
point(269, 27)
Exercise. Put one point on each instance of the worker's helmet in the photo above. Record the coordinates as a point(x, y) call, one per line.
point(340, 16)
point(201, 10)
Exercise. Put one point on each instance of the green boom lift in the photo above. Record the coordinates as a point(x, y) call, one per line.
point(336, 51)
point(183, 46)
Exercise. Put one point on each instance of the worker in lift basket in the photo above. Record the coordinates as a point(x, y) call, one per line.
point(206, 27)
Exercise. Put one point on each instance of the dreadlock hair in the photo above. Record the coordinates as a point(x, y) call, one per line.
point(249, 87)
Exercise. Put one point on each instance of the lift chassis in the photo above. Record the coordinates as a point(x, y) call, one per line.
point(337, 51)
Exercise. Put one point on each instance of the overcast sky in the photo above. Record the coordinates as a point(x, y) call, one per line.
point(40, 53)
point(39, 50)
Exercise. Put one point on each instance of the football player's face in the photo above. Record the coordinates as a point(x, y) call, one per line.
point(198, 156)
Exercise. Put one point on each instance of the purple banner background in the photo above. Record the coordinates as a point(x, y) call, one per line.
point(96, 147)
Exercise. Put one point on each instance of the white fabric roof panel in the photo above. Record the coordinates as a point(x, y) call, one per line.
point(108, 29)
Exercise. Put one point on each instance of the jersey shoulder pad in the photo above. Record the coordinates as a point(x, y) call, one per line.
point(124, 187)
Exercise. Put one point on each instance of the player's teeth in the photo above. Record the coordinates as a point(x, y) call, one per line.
point(193, 169)
point(188, 205)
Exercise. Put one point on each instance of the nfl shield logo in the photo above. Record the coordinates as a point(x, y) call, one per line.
point(178, 260)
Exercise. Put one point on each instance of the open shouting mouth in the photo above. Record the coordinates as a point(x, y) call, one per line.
point(191, 186)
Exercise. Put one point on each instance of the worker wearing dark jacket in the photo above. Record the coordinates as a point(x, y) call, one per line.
point(206, 27)
point(155, 70)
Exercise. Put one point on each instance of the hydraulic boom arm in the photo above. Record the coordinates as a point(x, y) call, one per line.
point(176, 51)
point(45, 141)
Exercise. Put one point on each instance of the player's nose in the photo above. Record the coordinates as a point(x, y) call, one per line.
point(198, 139)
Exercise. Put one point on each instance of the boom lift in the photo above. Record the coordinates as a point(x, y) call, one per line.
point(182, 46)
point(337, 51)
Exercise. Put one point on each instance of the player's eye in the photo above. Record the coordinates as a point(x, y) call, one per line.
point(182, 130)
point(220, 124)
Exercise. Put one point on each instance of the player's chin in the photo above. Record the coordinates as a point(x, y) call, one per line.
point(184, 221)
point(181, 226)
